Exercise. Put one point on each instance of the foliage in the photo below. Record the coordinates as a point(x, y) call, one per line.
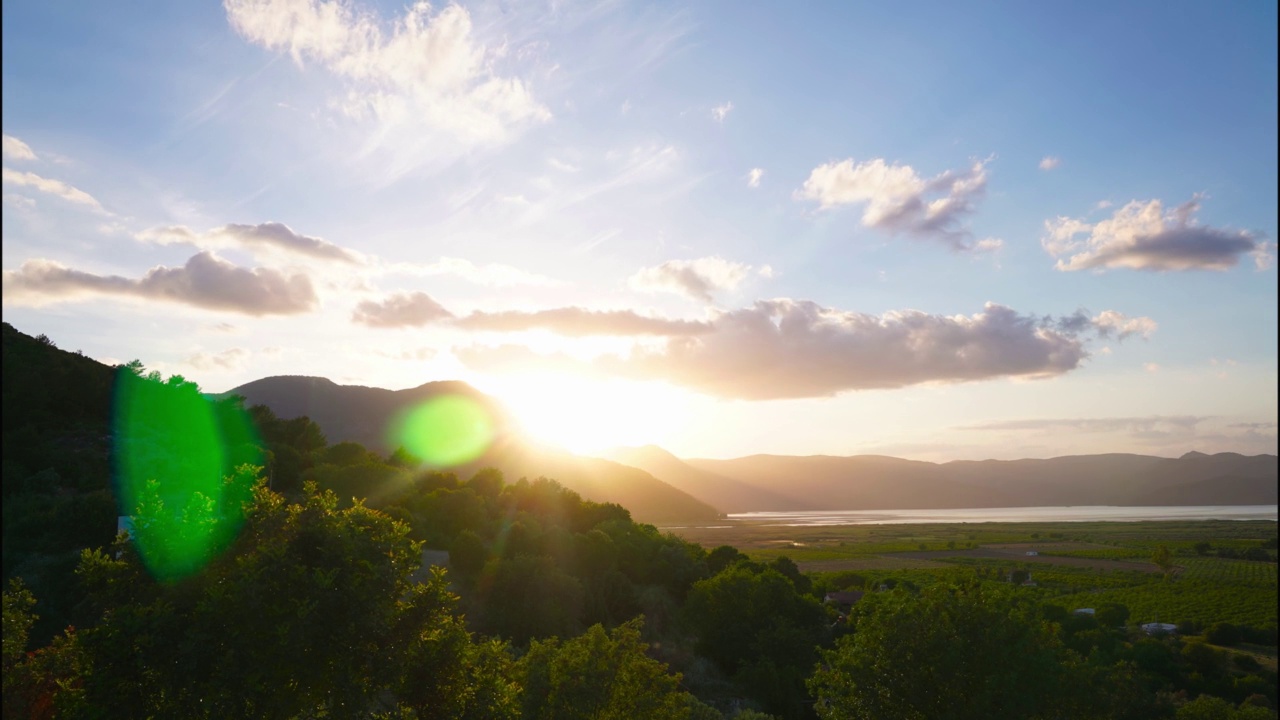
point(602, 675)
point(966, 652)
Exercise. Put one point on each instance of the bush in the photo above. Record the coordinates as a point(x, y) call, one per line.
point(1222, 633)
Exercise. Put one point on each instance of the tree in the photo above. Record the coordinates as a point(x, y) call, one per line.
point(1223, 633)
point(1163, 559)
point(968, 652)
point(1203, 547)
point(1112, 615)
point(603, 676)
point(310, 613)
point(758, 628)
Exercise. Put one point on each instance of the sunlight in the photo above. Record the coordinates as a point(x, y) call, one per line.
point(588, 416)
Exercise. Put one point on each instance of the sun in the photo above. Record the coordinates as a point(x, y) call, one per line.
point(587, 415)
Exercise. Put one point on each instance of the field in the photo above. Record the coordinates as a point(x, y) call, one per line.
point(1075, 565)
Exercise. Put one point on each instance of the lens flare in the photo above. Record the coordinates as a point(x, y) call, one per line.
point(445, 431)
point(179, 471)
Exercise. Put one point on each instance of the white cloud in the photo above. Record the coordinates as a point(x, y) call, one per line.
point(15, 149)
point(1142, 236)
point(720, 112)
point(794, 349)
point(269, 235)
point(53, 187)
point(1123, 326)
point(754, 177)
point(581, 322)
point(427, 71)
point(699, 279)
point(1050, 162)
point(400, 310)
point(898, 200)
point(231, 359)
point(205, 281)
point(1151, 367)
point(988, 245)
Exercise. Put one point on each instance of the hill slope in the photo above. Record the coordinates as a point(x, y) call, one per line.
point(365, 415)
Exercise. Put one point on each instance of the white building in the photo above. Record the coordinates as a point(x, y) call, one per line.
point(1159, 628)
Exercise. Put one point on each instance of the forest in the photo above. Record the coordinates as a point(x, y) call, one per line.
point(266, 573)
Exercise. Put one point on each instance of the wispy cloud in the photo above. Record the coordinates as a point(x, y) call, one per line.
point(488, 274)
point(581, 322)
point(1142, 236)
point(429, 70)
point(1050, 162)
point(269, 235)
point(720, 112)
point(754, 176)
point(898, 200)
point(205, 281)
point(699, 279)
point(52, 187)
point(15, 149)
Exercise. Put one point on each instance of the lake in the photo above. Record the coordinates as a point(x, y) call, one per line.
point(1073, 513)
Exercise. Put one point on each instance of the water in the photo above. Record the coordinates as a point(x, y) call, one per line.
point(1073, 513)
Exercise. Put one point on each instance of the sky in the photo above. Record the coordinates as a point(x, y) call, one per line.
point(931, 230)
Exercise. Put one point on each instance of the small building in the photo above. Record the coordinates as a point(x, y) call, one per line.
point(1083, 611)
point(844, 597)
point(1159, 628)
point(1033, 552)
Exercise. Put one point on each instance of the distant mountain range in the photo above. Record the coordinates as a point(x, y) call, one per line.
point(874, 482)
point(658, 486)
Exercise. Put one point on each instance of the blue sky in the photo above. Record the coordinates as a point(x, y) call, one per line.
point(938, 231)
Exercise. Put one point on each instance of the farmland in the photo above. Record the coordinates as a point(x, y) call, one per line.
point(1075, 565)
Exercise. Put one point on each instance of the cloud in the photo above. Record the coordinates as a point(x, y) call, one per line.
point(1049, 162)
point(230, 359)
point(15, 149)
point(19, 202)
point(699, 279)
point(796, 349)
point(491, 274)
point(205, 281)
point(1151, 367)
point(428, 70)
point(1164, 434)
point(720, 112)
point(1093, 425)
point(754, 177)
point(53, 187)
point(1142, 236)
point(579, 322)
point(1109, 321)
point(897, 200)
point(400, 310)
point(268, 235)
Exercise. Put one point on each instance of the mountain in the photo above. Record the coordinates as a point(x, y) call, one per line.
point(365, 415)
point(881, 483)
point(723, 492)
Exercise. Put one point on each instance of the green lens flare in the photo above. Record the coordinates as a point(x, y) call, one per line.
point(445, 431)
point(176, 460)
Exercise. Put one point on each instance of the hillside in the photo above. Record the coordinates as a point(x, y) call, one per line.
point(365, 414)
point(723, 492)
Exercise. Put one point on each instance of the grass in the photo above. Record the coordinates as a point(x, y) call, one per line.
point(1203, 588)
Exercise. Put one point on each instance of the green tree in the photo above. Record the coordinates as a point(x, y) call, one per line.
point(948, 653)
point(603, 675)
point(310, 613)
point(1163, 559)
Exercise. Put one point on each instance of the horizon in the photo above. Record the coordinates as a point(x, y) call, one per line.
point(1007, 232)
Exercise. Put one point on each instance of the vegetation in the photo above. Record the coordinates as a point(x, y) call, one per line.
point(297, 589)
